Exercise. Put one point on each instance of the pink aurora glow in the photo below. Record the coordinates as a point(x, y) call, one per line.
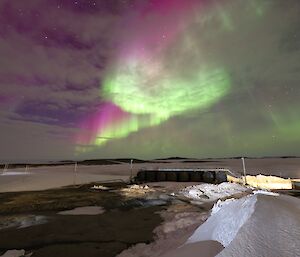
point(109, 115)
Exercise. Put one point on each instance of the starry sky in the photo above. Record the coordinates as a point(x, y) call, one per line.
point(149, 78)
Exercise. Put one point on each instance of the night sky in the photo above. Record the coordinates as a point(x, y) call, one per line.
point(119, 78)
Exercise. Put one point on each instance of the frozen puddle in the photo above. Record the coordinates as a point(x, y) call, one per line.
point(86, 210)
point(15, 253)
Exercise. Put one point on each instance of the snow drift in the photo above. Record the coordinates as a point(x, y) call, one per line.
point(226, 220)
point(256, 225)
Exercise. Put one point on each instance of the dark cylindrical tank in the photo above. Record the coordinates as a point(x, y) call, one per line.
point(171, 176)
point(221, 177)
point(183, 176)
point(161, 176)
point(151, 176)
point(209, 176)
point(141, 176)
point(196, 176)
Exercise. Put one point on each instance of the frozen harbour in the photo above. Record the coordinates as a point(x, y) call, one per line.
point(256, 225)
point(41, 178)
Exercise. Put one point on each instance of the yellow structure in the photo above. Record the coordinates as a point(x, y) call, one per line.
point(263, 182)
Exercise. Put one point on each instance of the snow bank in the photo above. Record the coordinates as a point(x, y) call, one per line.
point(210, 192)
point(263, 192)
point(219, 204)
point(226, 220)
point(262, 224)
point(272, 230)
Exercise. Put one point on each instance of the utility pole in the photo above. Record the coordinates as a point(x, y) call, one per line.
point(244, 170)
point(5, 168)
point(131, 161)
point(75, 174)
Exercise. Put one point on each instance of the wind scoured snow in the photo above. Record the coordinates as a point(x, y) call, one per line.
point(210, 192)
point(225, 221)
point(219, 204)
point(272, 230)
point(257, 225)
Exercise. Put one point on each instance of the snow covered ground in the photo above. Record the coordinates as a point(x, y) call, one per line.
point(211, 192)
point(41, 178)
point(255, 225)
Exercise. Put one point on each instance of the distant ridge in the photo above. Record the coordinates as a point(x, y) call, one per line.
point(173, 158)
point(111, 161)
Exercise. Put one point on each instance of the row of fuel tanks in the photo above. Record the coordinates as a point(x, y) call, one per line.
point(182, 175)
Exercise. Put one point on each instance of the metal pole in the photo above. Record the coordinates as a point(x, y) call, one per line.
point(75, 174)
point(244, 169)
point(5, 168)
point(131, 161)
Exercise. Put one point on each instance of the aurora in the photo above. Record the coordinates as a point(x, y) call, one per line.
point(145, 81)
point(162, 68)
point(149, 78)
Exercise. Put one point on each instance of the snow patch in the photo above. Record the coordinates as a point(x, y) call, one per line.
point(15, 253)
point(15, 173)
point(100, 187)
point(263, 192)
point(210, 192)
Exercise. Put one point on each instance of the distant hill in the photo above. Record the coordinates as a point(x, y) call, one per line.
point(173, 158)
point(111, 161)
